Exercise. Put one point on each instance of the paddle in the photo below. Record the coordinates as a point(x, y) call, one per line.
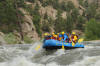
point(37, 48)
point(80, 40)
point(63, 46)
point(73, 44)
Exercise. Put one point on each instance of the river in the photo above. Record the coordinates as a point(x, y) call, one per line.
point(26, 55)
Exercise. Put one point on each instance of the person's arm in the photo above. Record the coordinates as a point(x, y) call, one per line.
point(65, 37)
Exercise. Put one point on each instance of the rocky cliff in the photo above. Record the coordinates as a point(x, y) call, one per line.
point(40, 16)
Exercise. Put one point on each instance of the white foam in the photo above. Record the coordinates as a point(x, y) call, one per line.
point(88, 61)
point(19, 61)
point(52, 64)
point(22, 61)
point(60, 52)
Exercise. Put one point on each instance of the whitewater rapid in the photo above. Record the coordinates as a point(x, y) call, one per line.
point(26, 55)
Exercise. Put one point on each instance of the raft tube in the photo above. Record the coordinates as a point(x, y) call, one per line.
point(55, 44)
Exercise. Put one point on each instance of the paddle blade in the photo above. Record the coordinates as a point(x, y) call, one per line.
point(80, 40)
point(37, 48)
point(63, 47)
point(73, 44)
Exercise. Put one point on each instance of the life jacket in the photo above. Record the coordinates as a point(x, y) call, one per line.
point(48, 37)
point(59, 37)
point(74, 38)
point(52, 37)
point(65, 37)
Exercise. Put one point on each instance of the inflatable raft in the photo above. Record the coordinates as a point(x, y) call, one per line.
point(55, 44)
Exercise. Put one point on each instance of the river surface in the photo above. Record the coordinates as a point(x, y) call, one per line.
point(26, 55)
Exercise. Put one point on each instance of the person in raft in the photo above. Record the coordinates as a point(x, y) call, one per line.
point(53, 36)
point(64, 36)
point(74, 37)
point(47, 36)
point(59, 36)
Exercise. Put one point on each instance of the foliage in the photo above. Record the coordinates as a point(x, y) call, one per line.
point(92, 30)
point(69, 6)
point(9, 18)
point(27, 40)
point(59, 23)
point(75, 13)
point(53, 3)
point(36, 19)
point(10, 38)
point(86, 4)
point(91, 11)
point(8, 15)
point(69, 23)
point(31, 1)
point(81, 21)
point(81, 2)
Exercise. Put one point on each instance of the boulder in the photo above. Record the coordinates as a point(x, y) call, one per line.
point(2, 41)
point(28, 27)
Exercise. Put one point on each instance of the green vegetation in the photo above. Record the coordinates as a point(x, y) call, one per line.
point(70, 6)
point(36, 19)
point(8, 16)
point(10, 38)
point(27, 39)
point(92, 30)
point(80, 23)
point(78, 18)
point(69, 23)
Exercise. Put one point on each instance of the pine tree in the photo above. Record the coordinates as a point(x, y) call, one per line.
point(69, 24)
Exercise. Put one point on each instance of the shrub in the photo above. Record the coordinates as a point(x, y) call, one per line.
point(10, 38)
point(27, 40)
point(92, 30)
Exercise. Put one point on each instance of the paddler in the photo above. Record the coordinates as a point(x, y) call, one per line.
point(74, 37)
point(64, 36)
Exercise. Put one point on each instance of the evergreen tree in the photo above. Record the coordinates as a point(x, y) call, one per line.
point(86, 4)
point(8, 15)
point(59, 23)
point(81, 21)
point(69, 6)
point(91, 11)
point(75, 13)
point(69, 24)
point(92, 30)
point(36, 19)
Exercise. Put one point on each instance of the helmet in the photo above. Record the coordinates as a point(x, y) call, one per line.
point(45, 34)
point(62, 32)
point(73, 33)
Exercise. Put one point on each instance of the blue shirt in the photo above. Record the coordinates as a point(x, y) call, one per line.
point(65, 37)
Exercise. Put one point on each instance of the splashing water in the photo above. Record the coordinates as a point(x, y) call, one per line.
point(88, 61)
point(26, 55)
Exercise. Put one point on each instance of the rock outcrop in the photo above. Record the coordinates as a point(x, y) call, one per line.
point(2, 41)
point(28, 27)
point(51, 12)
